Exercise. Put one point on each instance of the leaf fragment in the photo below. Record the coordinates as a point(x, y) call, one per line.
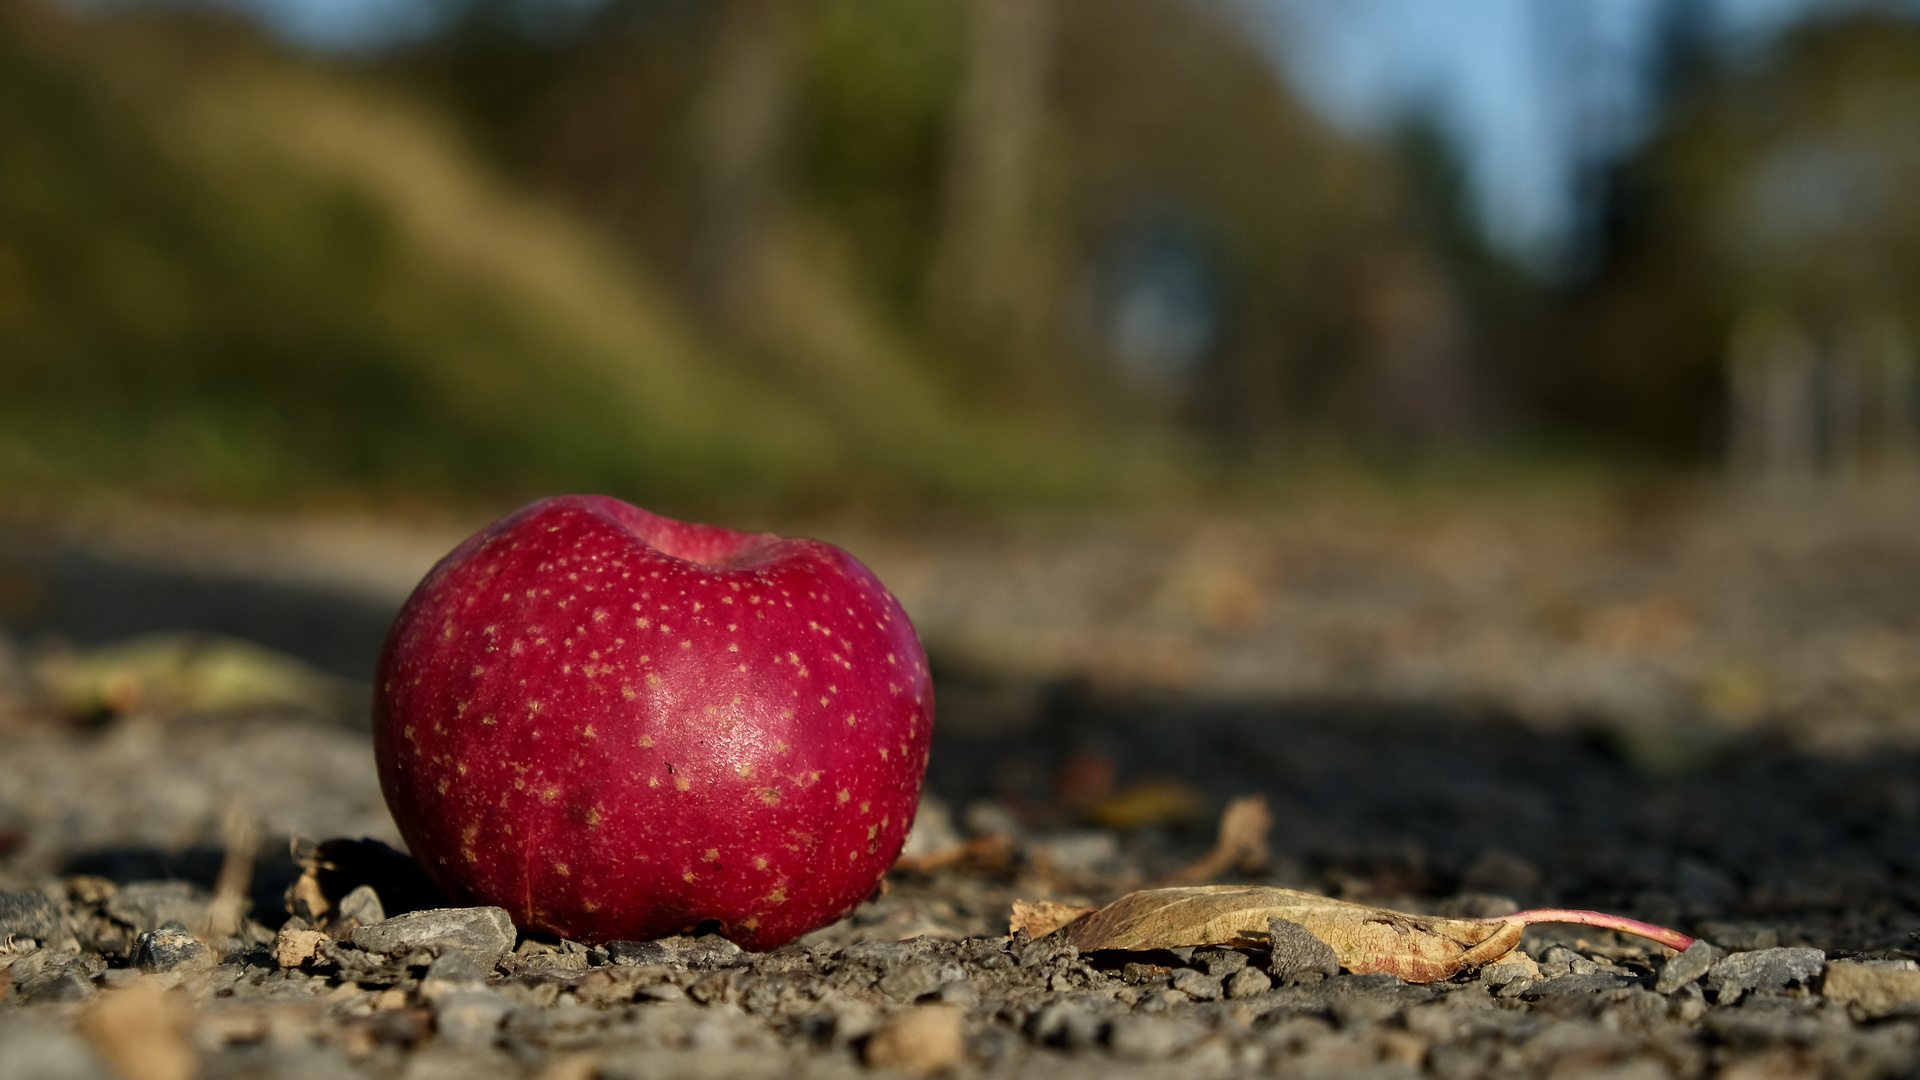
point(1042, 917)
point(1241, 845)
point(1363, 939)
point(1417, 948)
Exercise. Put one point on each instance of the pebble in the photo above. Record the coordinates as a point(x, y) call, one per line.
point(704, 952)
point(1298, 955)
point(1687, 967)
point(362, 905)
point(293, 947)
point(29, 915)
point(1152, 1038)
point(1876, 987)
point(1065, 1022)
point(1197, 985)
point(483, 933)
point(1248, 982)
point(920, 1041)
point(1763, 969)
point(170, 946)
point(145, 905)
point(470, 1017)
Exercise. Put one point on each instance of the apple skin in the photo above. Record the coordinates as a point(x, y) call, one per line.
point(619, 726)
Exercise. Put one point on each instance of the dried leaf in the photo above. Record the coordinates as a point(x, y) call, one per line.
point(1042, 917)
point(1241, 844)
point(1417, 948)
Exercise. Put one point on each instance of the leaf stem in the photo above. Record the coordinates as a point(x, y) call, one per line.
point(1672, 939)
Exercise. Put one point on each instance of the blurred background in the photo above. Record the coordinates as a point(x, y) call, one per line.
point(804, 256)
point(1556, 356)
point(1499, 392)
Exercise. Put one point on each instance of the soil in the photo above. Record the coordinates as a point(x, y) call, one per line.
point(1690, 719)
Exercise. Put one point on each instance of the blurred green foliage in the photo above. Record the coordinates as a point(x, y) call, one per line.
point(860, 249)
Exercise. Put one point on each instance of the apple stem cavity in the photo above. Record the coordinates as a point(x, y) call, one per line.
point(1672, 939)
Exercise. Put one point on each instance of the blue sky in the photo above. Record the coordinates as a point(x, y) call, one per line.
point(1501, 77)
point(1525, 88)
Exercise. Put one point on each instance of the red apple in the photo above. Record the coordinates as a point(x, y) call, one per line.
point(619, 726)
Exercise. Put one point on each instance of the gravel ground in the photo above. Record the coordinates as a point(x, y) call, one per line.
point(1796, 857)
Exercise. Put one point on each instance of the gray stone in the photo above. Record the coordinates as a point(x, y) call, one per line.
point(1197, 985)
point(363, 906)
point(704, 952)
point(1152, 1038)
point(168, 947)
point(470, 1017)
point(29, 915)
point(910, 981)
point(1591, 982)
point(1221, 962)
point(144, 905)
point(48, 976)
point(1764, 969)
point(1298, 955)
point(1687, 967)
point(451, 971)
point(1874, 987)
point(483, 933)
point(1064, 1023)
point(1248, 982)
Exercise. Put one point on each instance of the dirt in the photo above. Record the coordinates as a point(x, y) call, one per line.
point(1668, 718)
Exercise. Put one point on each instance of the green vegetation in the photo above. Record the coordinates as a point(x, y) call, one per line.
point(849, 250)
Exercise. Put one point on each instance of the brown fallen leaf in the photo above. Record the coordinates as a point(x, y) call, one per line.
point(1042, 917)
point(1417, 948)
point(1241, 844)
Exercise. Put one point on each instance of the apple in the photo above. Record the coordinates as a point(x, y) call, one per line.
point(620, 726)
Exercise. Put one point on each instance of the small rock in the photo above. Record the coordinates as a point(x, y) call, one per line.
point(1248, 982)
point(1064, 1023)
point(1687, 1004)
point(29, 915)
point(1298, 955)
point(1875, 987)
point(1516, 988)
point(1687, 967)
point(1152, 1038)
point(1572, 985)
point(1197, 985)
point(958, 993)
point(64, 983)
point(484, 933)
point(362, 906)
point(1221, 962)
point(295, 947)
point(1763, 969)
point(470, 1017)
point(145, 905)
point(919, 1041)
point(706, 951)
point(910, 981)
point(170, 946)
point(1515, 965)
